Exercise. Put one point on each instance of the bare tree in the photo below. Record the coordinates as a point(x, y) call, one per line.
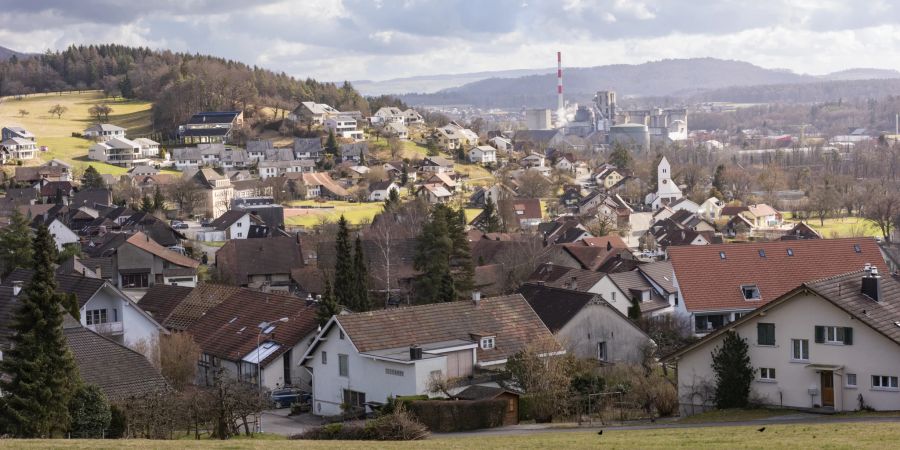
point(58, 110)
point(395, 146)
point(178, 356)
point(882, 207)
point(534, 185)
point(186, 194)
point(23, 112)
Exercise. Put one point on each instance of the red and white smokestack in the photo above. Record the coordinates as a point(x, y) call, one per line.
point(559, 90)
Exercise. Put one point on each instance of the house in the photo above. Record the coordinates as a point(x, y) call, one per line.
point(344, 127)
point(527, 211)
point(62, 234)
point(103, 308)
point(501, 143)
point(60, 192)
point(587, 325)
point(386, 115)
point(143, 170)
point(52, 171)
point(738, 278)
point(92, 197)
point(312, 113)
point(18, 148)
point(563, 230)
point(149, 147)
point(380, 190)
point(453, 136)
point(320, 184)
point(434, 193)
point(188, 157)
point(436, 164)
point(102, 132)
point(11, 132)
point(568, 278)
point(264, 264)
point(217, 192)
point(711, 209)
point(139, 261)
point(121, 373)
point(801, 230)
point(483, 154)
point(763, 216)
point(412, 117)
point(589, 253)
point(268, 169)
point(210, 127)
point(481, 195)
point(622, 290)
point(307, 148)
point(257, 337)
point(369, 357)
point(608, 176)
point(443, 179)
point(830, 343)
point(355, 152)
point(239, 224)
point(118, 151)
point(397, 130)
point(667, 192)
point(533, 160)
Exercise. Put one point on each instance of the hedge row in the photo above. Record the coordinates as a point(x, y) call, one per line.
point(458, 415)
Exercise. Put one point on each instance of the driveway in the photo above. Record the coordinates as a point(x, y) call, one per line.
point(277, 421)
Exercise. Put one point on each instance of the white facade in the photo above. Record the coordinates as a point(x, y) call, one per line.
point(799, 382)
point(483, 154)
point(239, 229)
point(667, 191)
point(62, 235)
point(599, 332)
point(379, 195)
point(113, 314)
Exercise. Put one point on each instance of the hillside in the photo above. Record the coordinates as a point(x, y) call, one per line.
point(861, 74)
point(820, 91)
point(428, 84)
point(659, 78)
point(6, 53)
point(56, 133)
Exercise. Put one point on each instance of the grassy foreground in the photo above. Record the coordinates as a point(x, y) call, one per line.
point(843, 435)
point(56, 133)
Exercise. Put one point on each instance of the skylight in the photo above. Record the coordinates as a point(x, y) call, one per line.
point(857, 248)
point(750, 292)
point(721, 255)
point(790, 252)
point(762, 253)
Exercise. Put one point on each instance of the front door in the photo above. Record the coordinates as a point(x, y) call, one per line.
point(827, 388)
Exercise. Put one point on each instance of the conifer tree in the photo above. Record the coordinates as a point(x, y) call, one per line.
point(343, 266)
point(331, 146)
point(393, 200)
point(462, 269)
point(491, 221)
point(360, 279)
point(733, 372)
point(41, 372)
point(328, 306)
point(146, 204)
point(92, 179)
point(404, 175)
point(15, 244)
point(159, 200)
point(433, 250)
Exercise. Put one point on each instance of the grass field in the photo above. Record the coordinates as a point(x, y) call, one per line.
point(837, 435)
point(56, 133)
point(842, 227)
point(355, 213)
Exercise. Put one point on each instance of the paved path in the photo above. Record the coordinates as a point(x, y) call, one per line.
point(277, 421)
point(804, 418)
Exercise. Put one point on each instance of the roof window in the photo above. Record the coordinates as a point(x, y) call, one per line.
point(762, 253)
point(750, 292)
point(857, 248)
point(790, 252)
point(721, 255)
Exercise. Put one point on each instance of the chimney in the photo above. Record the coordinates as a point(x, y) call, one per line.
point(476, 297)
point(415, 352)
point(871, 283)
point(17, 287)
point(574, 283)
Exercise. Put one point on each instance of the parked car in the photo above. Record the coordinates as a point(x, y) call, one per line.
point(181, 226)
point(283, 398)
point(175, 222)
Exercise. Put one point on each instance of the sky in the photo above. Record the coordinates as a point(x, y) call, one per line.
point(383, 39)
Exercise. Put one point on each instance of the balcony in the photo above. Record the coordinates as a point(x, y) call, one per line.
point(108, 328)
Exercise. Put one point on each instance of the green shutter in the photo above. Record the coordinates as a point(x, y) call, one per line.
point(760, 334)
point(848, 336)
point(820, 334)
point(771, 329)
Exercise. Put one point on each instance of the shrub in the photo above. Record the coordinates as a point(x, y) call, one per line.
point(117, 423)
point(90, 412)
point(731, 364)
point(666, 399)
point(459, 415)
point(398, 426)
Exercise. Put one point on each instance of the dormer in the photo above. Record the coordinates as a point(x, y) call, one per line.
point(485, 341)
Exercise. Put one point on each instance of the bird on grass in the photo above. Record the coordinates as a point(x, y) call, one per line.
point(600, 433)
point(761, 429)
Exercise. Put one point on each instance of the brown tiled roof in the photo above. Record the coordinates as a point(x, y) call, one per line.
point(241, 258)
point(143, 242)
point(324, 180)
point(530, 207)
point(200, 300)
point(490, 279)
point(510, 319)
point(710, 283)
point(733, 210)
point(118, 371)
point(161, 299)
point(229, 330)
point(554, 275)
point(310, 279)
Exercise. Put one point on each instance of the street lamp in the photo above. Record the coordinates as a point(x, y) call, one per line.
point(264, 328)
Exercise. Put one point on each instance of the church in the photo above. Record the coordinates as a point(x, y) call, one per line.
point(667, 192)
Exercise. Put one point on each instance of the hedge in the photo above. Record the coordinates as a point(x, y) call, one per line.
point(458, 415)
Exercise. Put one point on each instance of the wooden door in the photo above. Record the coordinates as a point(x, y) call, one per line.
point(827, 388)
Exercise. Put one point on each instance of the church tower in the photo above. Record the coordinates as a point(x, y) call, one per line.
point(667, 191)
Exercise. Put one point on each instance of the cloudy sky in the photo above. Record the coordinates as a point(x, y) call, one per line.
point(382, 39)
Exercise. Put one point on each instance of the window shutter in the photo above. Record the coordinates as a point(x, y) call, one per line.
point(820, 334)
point(760, 334)
point(771, 334)
point(848, 336)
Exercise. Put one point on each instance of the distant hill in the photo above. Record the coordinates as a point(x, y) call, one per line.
point(862, 74)
point(6, 53)
point(820, 91)
point(671, 77)
point(427, 84)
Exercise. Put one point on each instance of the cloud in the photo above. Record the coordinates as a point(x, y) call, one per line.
point(365, 39)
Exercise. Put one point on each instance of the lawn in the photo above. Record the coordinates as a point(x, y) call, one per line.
point(355, 213)
point(792, 436)
point(842, 227)
point(56, 133)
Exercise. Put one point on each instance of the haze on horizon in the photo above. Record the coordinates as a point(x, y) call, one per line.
point(383, 39)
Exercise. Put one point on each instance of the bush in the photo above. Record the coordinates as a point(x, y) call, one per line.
point(398, 426)
point(117, 423)
point(665, 400)
point(459, 415)
point(90, 412)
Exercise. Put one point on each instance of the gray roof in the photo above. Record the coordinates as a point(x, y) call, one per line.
point(661, 273)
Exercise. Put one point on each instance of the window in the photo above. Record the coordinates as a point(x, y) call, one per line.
point(240, 234)
point(767, 373)
point(344, 365)
point(324, 357)
point(857, 248)
point(95, 316)
point(614, 296)
point(834, 335)
point(354, 398)
point(395, 372)
point(800, 349)
point(765, 334)
point(762, 253)
point(721, 255)
point(341, 334)
point(750, 291)
point(601, 351)
point(884, 382)
point(239, 224)
point(487, 343)
point(850, 380)
point(135, 280)
point(790, 252)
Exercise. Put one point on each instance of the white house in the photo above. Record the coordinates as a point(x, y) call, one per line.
point(831, 344)
point(667, 191)
point(501, 143)
point(483, 154)
point(396, 129)
point(118, 151)
point(622, 289)
point(711, 209)
point(344, 127)
point(62, 235)
point(380, 191)
point(149, 147)
point(103, 132)
point(363, 357)
point(103, 308)
point(19, 148)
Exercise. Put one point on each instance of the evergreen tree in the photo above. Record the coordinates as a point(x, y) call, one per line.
point(731, 364)
point(463, 271)
point(41, 372)
point(15, 244)
point(433, 250)
point(634, 310)
point(328, 306)
point(331, 146)
point(404, 175)
point(719, 178)
point(620, 156)
point(125, 87)
point(90, 412)
point(491, 221)
point(146, 204)
point(343, 266)
point(360, 279)
point(159, 200)
point(393, 200)
point(92, 178)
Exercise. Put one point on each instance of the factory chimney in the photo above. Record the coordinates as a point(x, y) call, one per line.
point(559, 92)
